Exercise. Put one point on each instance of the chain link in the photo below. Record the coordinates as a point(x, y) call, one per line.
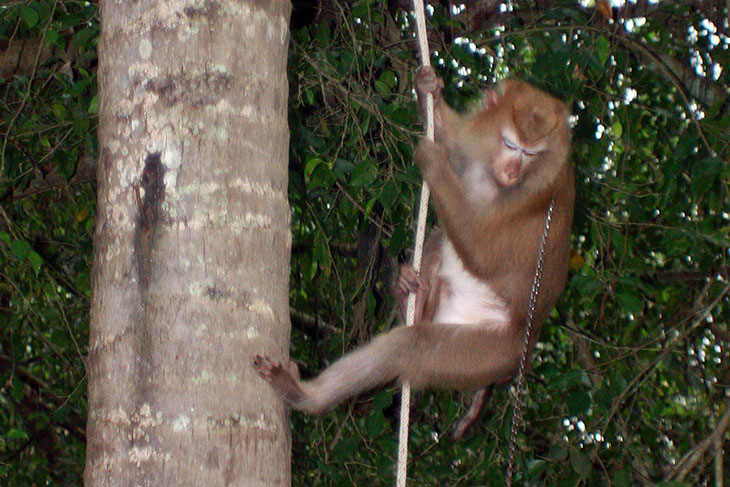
point(519, 387)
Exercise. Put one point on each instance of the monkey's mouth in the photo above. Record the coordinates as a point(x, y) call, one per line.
point(504, 181)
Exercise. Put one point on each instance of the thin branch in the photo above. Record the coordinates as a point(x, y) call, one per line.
point(27, 92)
point(694, 455)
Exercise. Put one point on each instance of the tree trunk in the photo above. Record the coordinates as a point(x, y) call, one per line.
point(192, 243)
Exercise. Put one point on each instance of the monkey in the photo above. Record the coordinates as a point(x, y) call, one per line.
point(493, 174)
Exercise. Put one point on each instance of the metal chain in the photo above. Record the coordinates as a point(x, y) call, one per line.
point(534, 292)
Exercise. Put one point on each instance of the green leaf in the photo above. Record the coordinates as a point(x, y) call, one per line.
point(579, 402)
point(704, 174)
point(382, 88)
point(388, 78)
point(389, 194)
point(345, 449)
point(397, 113)
point(61, 414)
point(622, 478)
point(83, 283)
point(40, 421)
point(94, 104)
point(558, 453)
point(30, 16)
point(383, 399)
point(52, 37)
point(79, 87)
point(536, 468)
point(60, 111)
point(397, 240)
point(310, 166)
point(369, 206)
point(603, 49)
point(375, 424)
point(309, 95)
point(617, 129)
point(36, 261)
point(363, 174)
point(570, 379)
point(323, 34)
point(580, 463)
point(631, 301)
point(320, 254)
point(16, 434)
point(20, 249)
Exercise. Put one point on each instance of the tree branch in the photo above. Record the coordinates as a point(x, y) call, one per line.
point(694, 455)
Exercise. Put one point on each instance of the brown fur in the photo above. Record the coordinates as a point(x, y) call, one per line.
point(496, 237)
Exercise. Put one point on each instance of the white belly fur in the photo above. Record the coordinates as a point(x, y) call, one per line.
point(471, 301)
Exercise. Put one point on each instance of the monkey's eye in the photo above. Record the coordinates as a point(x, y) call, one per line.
point(511, 145)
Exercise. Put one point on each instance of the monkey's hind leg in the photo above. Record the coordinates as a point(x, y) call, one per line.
point(374, 364)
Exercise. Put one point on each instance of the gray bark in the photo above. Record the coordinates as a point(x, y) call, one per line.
point(192, 244)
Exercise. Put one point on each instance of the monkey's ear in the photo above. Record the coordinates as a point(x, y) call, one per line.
point(491, 98)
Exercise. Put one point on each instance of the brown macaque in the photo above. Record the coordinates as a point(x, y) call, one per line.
point(492, 175)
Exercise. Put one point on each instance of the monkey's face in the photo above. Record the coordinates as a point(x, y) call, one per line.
point(513, 157)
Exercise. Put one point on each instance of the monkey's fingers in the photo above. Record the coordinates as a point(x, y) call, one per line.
point(428, 82)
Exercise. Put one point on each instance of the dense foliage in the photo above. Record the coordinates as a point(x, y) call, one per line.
point(630, 384)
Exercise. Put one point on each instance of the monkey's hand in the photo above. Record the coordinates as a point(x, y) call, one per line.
point(409, 281)
point(432, 159)
point(427, 82)
point(285, 380)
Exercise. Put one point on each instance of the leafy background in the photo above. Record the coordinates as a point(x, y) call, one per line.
point(630, 383)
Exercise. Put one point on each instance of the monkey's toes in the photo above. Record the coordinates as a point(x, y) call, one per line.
point(408, 280)
point(266, 367)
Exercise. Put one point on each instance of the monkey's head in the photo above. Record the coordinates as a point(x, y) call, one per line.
point(521, 129)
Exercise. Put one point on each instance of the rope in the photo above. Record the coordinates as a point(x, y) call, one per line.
point(411, 310)
point(405, 404)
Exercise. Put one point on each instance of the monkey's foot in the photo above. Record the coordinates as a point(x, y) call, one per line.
point(409, 281)
point(285, 380)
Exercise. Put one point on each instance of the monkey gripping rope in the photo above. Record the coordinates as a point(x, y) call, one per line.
point(405, 404)
point(411, 310)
